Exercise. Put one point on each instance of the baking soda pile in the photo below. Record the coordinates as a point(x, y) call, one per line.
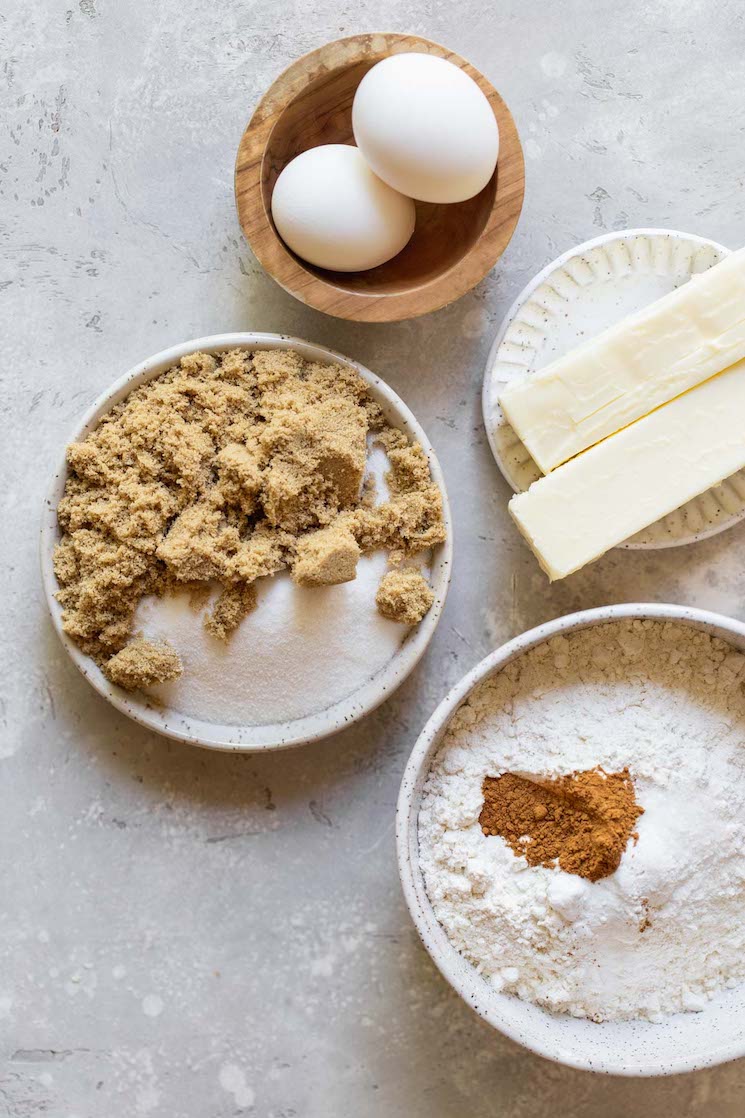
point(666, 931)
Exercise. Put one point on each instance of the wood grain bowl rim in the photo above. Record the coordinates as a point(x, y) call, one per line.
point(320, 293)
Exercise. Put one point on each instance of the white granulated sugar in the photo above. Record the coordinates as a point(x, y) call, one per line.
point(298, 652)
point(666, 931)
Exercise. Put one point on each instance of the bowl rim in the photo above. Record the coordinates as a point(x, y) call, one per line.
point(273, 736)
point(467, 982)
point(316, 291)
point(488, 383)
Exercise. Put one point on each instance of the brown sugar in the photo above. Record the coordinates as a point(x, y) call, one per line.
point(404, 595)
point(226, 469)
point(326, 557)
point(142, 663)
point(582, 821)
point(234, 603)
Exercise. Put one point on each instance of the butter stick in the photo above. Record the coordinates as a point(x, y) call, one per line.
point(627, 482)
point(632, 368)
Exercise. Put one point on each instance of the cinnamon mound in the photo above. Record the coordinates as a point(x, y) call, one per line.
point(582, 821)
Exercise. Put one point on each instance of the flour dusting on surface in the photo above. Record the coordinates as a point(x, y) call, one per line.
point(233, 1080)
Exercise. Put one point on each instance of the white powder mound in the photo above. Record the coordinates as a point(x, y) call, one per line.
point(666, 931)
point(299, 652)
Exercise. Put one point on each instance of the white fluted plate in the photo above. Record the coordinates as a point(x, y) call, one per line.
point(580, 294)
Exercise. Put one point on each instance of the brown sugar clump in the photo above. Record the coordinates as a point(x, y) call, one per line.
point(226, 469)
point(317, 460)
point(582, 821)
point(142, 663)
point(326, 557)
point(239, 467)
point(235, 603)
point(404, 595)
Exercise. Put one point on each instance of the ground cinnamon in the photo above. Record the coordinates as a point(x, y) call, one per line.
point(582, 821)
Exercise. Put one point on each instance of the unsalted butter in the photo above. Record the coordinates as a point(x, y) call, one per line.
point(632, 368)
point(629, 481)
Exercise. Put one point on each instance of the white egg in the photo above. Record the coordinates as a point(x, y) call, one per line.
point(426, 128)
point(332, 211)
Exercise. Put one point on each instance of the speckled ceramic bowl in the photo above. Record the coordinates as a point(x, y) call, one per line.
point(277, 735)
point(683, 1041)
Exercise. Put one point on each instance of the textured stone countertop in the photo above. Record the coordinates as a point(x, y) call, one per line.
point(194, 935)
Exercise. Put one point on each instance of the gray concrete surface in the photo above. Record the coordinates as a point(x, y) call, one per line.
point(197, 936)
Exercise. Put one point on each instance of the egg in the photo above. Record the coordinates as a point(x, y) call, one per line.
point(332, 211)
point(425, 128)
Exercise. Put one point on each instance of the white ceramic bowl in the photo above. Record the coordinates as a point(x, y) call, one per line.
point(683, 1041)
point(277, 735)
point(586, 290)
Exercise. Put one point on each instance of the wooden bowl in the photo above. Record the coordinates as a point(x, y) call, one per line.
point(453, 247)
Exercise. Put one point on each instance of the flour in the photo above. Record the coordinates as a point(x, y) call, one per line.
point(666, 931)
